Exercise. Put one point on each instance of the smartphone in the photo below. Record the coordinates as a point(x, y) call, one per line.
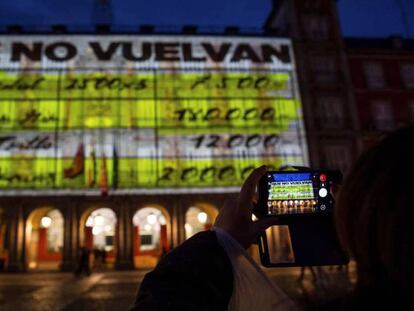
point(303, 203)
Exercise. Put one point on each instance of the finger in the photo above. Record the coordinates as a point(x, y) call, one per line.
point(249, 187)
point(262, 224)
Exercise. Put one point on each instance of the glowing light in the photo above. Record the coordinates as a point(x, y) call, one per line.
point(32, 265)
point(89, 222)
point(152, 219)
point(202, 217)
point(96, 230)
point(188, 228)
point(162, 221)
point(99, 220)
point(147, 227)
point(108, 228)
point(46, 221)
point(254, 218)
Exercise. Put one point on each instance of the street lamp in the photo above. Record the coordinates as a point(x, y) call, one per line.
point(202, 217)
point(99, 220)
point(46, 221)
point(152, 219)
point(162, 221)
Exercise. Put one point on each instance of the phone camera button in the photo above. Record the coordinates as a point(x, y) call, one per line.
point(323, 192)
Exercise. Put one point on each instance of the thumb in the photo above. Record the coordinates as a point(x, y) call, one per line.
point(262, 224)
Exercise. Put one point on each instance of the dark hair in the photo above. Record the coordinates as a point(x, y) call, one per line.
point(374, 214)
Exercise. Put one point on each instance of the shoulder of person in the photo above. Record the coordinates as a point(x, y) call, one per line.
point(196, 275)
point(201, 249)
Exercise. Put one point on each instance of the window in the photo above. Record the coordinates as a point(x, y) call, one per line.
point(337, 157)
point(324, 69)
point(383, 115)
point(407, 72)
point(146, 239)
point(331, 114)
point(316, 27)
point(374, 74)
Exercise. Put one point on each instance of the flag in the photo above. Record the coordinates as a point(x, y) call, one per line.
point(92, 169)
point(77, 166)
point(104, 176)
point(115, 168)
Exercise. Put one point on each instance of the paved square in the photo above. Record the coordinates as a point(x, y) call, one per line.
point(114, 290)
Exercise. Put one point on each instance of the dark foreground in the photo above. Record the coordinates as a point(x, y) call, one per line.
point(116, 290)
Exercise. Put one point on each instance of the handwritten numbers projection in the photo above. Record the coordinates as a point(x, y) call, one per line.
point(151, 112)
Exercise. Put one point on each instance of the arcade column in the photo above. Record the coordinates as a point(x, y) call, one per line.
point(70, 239)
point(178, 224)
point(16, 245)
point(124, 236)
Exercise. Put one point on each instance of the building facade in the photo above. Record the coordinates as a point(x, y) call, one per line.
point(30, 244)
point(382, 72)
point(346, 89)
point(128, 144)
point(326, 88)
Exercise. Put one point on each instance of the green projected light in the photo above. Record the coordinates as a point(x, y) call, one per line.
point(109, 125)
point(289, 191)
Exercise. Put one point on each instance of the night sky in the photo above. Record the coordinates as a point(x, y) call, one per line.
point(359, 18)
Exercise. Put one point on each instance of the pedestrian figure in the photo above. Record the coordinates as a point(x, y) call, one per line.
point(303, 272)
point(83, 262)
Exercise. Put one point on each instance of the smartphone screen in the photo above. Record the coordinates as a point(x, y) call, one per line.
point(291, 193)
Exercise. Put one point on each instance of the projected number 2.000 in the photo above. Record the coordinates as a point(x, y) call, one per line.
point(85, 128)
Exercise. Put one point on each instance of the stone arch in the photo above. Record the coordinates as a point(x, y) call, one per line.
point(44, 234)
point(98, 231)
point(157, 237)
point(199, 216)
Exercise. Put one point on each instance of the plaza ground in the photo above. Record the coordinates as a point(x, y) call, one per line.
point(114, 290)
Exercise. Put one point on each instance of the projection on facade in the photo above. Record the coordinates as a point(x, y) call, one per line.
point(136, 113)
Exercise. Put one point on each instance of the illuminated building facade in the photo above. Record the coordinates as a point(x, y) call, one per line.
point(130, 143)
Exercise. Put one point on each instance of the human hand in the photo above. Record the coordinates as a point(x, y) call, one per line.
point(235, 217)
